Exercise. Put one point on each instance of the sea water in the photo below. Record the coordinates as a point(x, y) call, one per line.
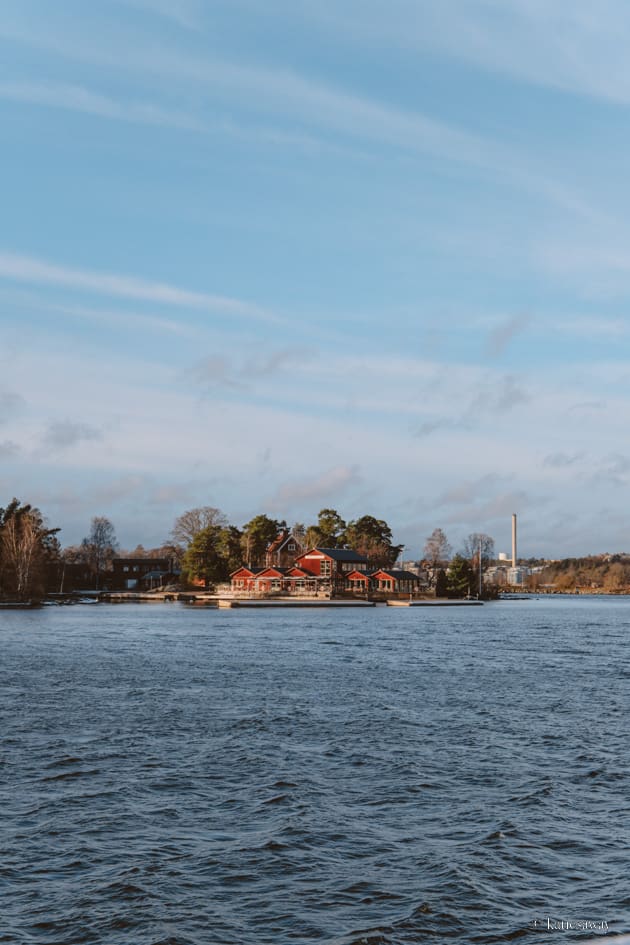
point(189, 776)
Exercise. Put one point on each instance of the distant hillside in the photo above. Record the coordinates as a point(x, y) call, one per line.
point(609, 573)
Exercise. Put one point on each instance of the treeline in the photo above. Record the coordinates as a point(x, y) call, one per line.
point(205, 546)
point(211, 548)
point(610, 574)
point(202, 543)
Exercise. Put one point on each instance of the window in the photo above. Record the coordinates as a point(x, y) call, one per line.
point(291, 547)
point(324, 569)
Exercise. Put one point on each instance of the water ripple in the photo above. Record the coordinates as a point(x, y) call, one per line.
point(372, 778)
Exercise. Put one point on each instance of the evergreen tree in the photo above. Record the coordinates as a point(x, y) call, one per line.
point(460, 578)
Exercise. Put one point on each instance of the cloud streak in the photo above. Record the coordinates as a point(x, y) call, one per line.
point(80, 99)
point(575, 47)
point(27, 269)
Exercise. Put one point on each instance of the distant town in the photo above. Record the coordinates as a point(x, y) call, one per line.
point(267, 558)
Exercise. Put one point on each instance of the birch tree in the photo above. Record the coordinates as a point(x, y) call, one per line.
point(26, 547)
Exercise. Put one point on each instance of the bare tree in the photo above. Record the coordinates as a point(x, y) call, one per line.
point(188, 525)
point(476, 543)
point(437, 549)
point(100, 546)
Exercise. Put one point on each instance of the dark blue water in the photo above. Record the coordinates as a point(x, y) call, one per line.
point(386, 776)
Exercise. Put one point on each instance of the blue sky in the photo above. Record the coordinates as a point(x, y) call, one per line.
point(287, 255)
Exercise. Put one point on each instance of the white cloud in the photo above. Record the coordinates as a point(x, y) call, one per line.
point(80, 99)
point(185, 13)
point(578, 47)
point(330, 484)
point(26, 269)
point(283, 93)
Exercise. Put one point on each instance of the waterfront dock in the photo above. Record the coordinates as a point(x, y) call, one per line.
point(434, 603)
point(229, 602)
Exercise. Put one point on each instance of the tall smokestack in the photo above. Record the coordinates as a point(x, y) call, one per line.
point(514, 540)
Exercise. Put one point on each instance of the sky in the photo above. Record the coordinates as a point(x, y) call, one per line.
point(275, 257)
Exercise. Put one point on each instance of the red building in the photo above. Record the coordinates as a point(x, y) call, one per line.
point(323, 570)
point(395, 580)
point(283, 551)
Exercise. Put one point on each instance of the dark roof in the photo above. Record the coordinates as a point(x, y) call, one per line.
point(342, 554)
point(153, 561)
point(397, 574)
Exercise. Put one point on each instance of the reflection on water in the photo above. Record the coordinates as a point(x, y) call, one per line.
point(185, 776)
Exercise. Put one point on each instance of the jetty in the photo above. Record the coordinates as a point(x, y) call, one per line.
point(439, 602)
point(230, 602)
point(226, 602)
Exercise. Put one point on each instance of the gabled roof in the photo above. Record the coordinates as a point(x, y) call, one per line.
point(337, 554)
point(243, 567)
point(281, 572)
point(281, 540)
point(361, 574)
point(397, 574)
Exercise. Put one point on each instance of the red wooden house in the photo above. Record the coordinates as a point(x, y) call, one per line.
point(243, 579)
point(395, 580)
point(273, 581)
point(283, 551)
point(359, 581)
point(331, 566)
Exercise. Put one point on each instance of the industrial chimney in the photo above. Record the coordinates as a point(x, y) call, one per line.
point(514, 540)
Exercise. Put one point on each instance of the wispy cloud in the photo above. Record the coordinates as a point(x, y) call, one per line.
point(587, 406)
point(80, 99)
point(219, 370)
point(325, 114)
point(498, 396)
point(8, 449)
point(329, 484)
point(500, 337)
point(491, 396)
point(563, 460)
point(575, 47)
point(284, 94)
point(10, 404)
point(64, 434)
point(470, 490)
point(120, 488)
point(27, 269)
point(495, 510)
point(216, 371)
point(613, 470)
point(185, 13)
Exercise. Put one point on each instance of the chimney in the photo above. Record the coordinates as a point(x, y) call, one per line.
point(514, 540)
